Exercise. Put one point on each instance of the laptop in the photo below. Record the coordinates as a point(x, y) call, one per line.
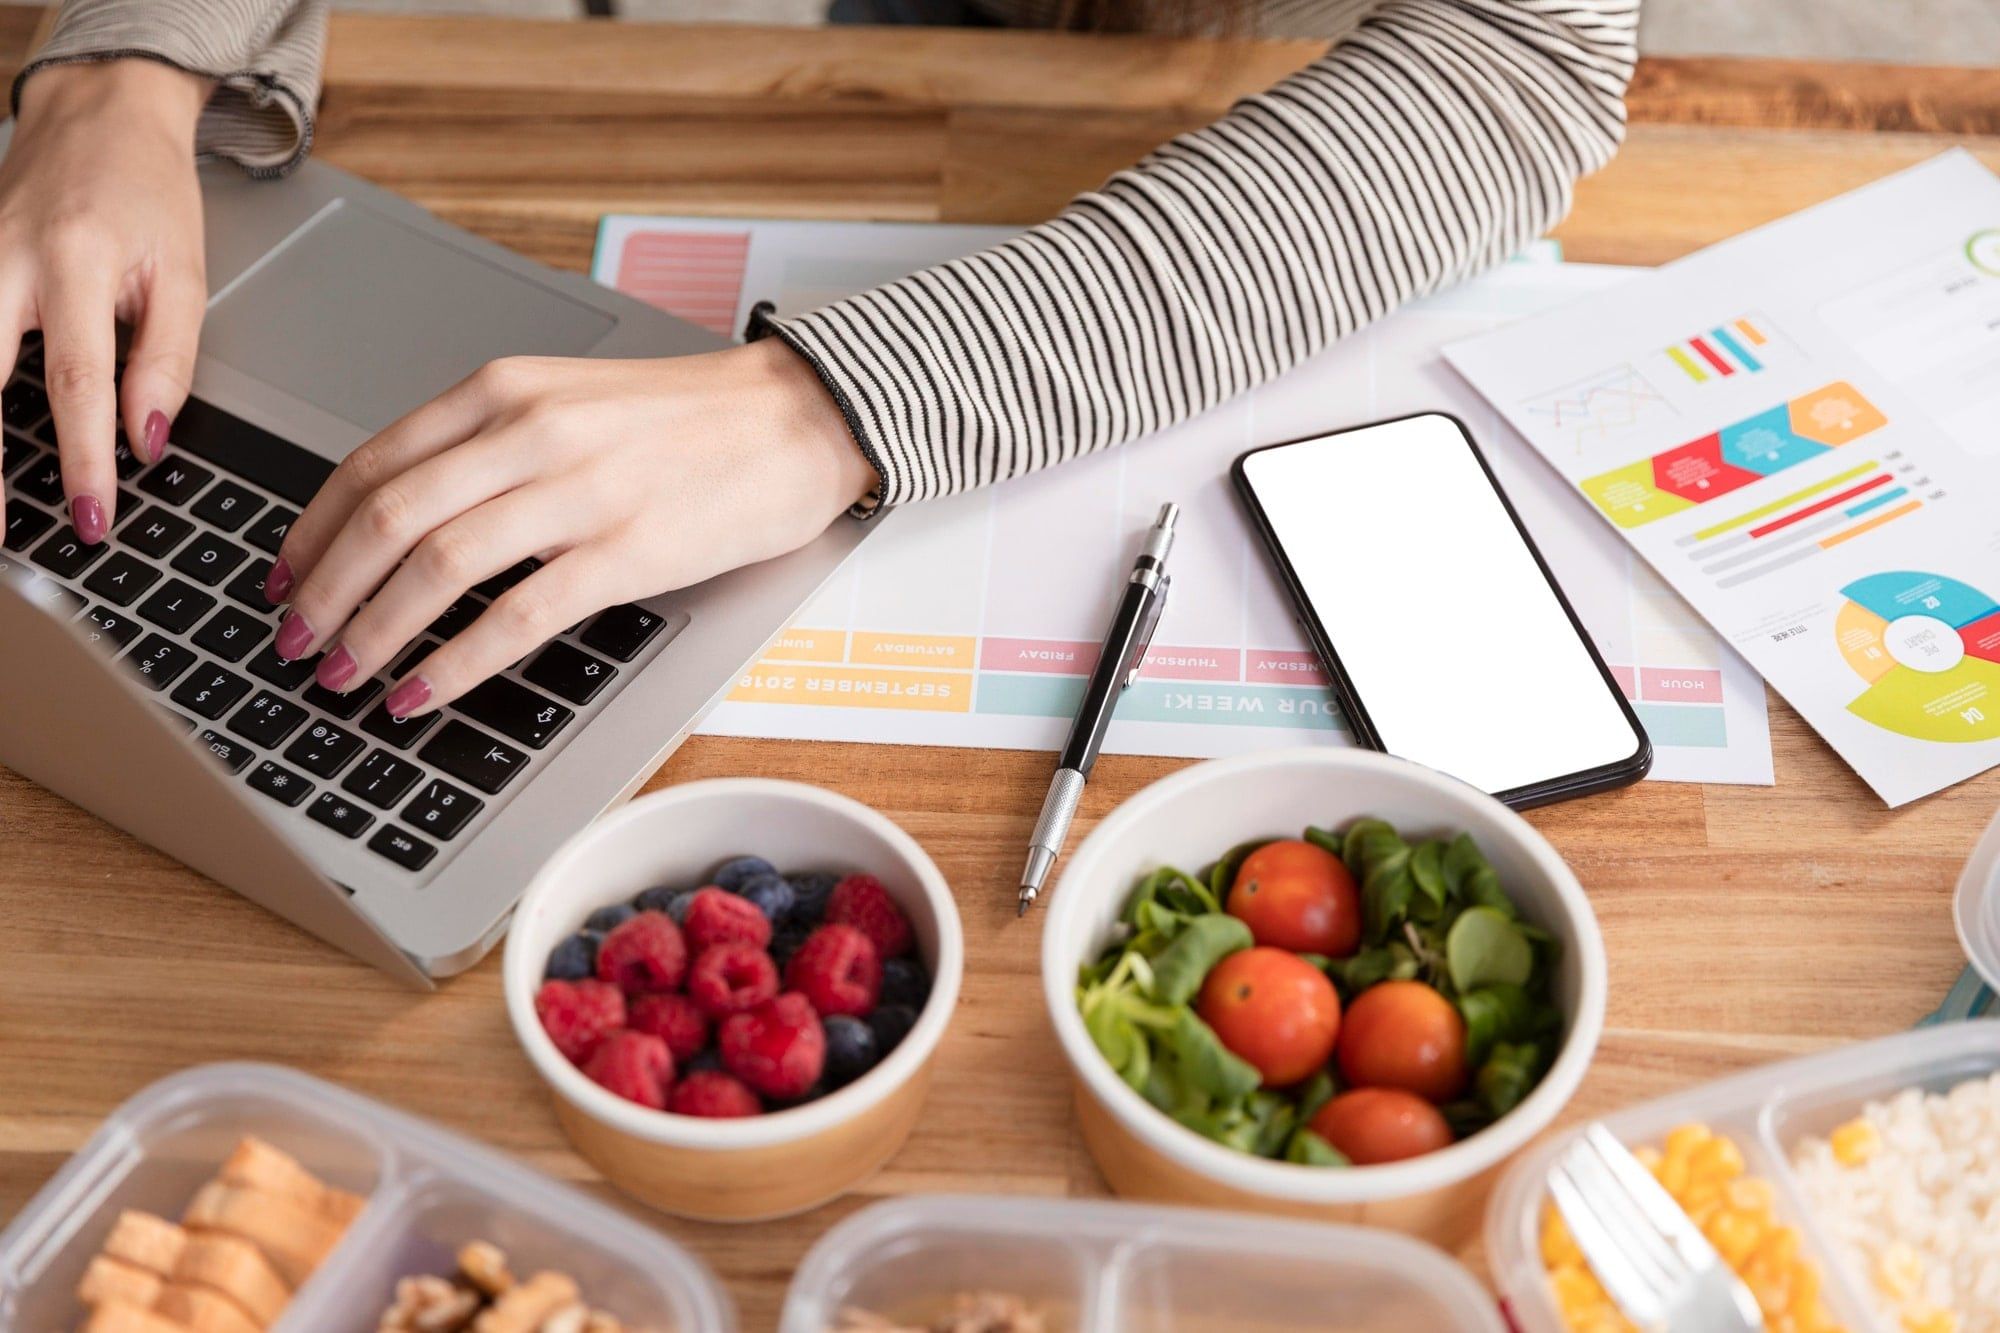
point(139, 677)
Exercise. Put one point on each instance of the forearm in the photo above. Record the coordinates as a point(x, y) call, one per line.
point(1439, 137)
point(263, 57)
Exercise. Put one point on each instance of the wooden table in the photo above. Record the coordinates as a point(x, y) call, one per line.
point(1743, 924)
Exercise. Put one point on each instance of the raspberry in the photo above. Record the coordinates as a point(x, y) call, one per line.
point(636, 1066)
point(578, 1015)
point(675, 1020)
point(861, 901)
point(712, 1093)
point(716, 916)
point(838, 971)
point(731, 978)
point(643, 955)
point(778, 1048)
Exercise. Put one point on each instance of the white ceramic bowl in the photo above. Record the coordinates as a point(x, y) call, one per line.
point(1194, 816)
point(768, 1165)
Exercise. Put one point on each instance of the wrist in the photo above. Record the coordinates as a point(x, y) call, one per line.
point(803, 414)
point(130, 91)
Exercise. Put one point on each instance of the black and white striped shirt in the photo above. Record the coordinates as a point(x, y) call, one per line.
point(1434, 138)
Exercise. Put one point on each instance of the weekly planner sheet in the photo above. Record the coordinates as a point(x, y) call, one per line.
point(1800, 429)
point(974, 620)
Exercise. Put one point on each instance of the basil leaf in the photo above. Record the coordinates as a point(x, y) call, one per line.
point(1275, 1118)
point(1496, 1013)
point(1327, 841)
point(1309, 1149)
point(1317, 1092)
point(1205, 1063)
point(1427, 871)
point(1222, 875)
point(1464, 1118)
point(1384, 962)
point(1507, 1077)
point(1485, 947)
point(1471, 879)
point(1180, 968)
point(1120, 1041)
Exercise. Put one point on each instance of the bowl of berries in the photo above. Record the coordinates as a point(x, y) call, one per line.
point(734, 989)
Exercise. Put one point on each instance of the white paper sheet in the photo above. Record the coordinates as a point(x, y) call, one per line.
point(1800, 428)
point(974, 620)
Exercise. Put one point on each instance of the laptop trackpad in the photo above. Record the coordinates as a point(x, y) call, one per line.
point(366, 318)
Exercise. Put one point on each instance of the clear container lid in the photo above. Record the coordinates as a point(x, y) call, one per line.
point(1766, 1111)
point(428, 1191)
point(1103, 1267)
point(1976, 906)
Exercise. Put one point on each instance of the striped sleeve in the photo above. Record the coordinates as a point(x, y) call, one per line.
point(1436, 138)
point(264, 55)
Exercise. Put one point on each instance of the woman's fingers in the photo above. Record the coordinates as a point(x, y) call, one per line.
point(78, 309)
point(559, 594)
point(159, 369)
point(431, 521)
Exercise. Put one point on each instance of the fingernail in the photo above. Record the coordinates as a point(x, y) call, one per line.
point(86, 515)
point(278, 583)
point(293, 636)
point(336, 669)
point(156, 436)
point(408, 697)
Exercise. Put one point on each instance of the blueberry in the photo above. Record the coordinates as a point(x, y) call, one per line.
point(708, 1057)
point(574, 959)
point(769, 894)
point(892, 1023)
point(905, 982)
point(786, 942)
point(733, 875)
point(811, 889)
point(607, 919)
point(677, 906)
point(657, 899)
point(850, 1049)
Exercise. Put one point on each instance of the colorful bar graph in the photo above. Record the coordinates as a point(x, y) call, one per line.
point(1750, 516)
point(1736, 349)
point(1707, 354)
point(1721, 352)
point(1750, 331)
point(1820, 507)
point(1876, 502)
point(1687, 364)
point(1849, 534)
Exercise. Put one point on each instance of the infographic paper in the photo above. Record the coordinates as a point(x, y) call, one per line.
point(1800, 430)
point(974, 620)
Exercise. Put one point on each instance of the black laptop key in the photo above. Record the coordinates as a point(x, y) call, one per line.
point(470, 755)
point(417, 654)
point(14, 451)
point(257, 456)
point(209, 558)
point(622, 631)
point(42, 480)
point(401, 734)
point(178, 607)
point(31, 354)
point(23, 403)
point(210, 690)
point(569, 672)
point(279, 783)
point(176, 480)
point(121, 579)
point(405, 849)
point(232, 754)
point(231, 633)
point(64, 553)
point(441, 810)
point(247, 588)
point(123, 459)
point(159, 661)
point(382, 779)
point(227, 505)
point(155, 531)
point(109, 628)
point(267, 665)
point(24, 524)
point(457, 617)
point(515, 711)
point(343, 816)
point(506, 578)
point(267, 534)
point(346, 706)
point(267, 719)
point(324, 749)
point(63, 602)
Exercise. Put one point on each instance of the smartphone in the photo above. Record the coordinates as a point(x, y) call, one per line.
point(1446, 637)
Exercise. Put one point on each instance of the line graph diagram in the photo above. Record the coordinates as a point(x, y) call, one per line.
point(1599, 410)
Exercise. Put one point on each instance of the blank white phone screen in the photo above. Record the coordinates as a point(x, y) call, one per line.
point(1449, 633)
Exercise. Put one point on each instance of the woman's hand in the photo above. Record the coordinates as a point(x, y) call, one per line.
point(628, 478)
point(100, 220)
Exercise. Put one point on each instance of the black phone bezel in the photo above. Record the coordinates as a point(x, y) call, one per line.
point(1605, 777)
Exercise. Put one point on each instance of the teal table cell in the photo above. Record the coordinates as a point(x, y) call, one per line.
point(1684, 725)
point(1197, 702)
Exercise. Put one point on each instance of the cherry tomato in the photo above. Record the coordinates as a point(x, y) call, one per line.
point(1371, 1125)
point(1403, 1034)
point(1275, 1010)
point(1296, 896)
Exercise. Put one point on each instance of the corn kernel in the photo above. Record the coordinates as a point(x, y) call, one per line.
point(1929, 1319)
point(1778, 1250)
point(1855, 1142)
point(1734, 1237)
point(1805, 1284)
point(1718, 1160)
point(1898, 1270)
point(1750, 1195)
point(1682, 1142)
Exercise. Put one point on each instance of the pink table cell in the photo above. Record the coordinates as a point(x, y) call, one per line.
point(1627, 679)
point(1164, 662)
point(1283, 668)
point(1680, 685)
point(1054, 657)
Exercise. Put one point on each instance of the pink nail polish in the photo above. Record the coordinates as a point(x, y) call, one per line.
point(86, 515)
point(336, 669)
point(293, 636)
point(156, 436)
point(278, 583)
point(408, 697)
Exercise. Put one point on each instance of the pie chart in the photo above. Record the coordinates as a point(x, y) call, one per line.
point(1928, 647)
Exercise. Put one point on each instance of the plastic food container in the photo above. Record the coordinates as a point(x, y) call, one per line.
point(428, 1191)
point(1766, 1111)
point(1976, 906)
point(1099, 1267)
point(1194, 816)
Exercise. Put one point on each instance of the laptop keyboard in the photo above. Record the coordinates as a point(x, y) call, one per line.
point(177, 595)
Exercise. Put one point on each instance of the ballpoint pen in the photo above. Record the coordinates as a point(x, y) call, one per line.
point(1118, 665)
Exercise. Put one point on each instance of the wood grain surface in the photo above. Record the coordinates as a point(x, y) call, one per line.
point(1743, 924)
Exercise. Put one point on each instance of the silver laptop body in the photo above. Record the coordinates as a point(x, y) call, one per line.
point(335, 307)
